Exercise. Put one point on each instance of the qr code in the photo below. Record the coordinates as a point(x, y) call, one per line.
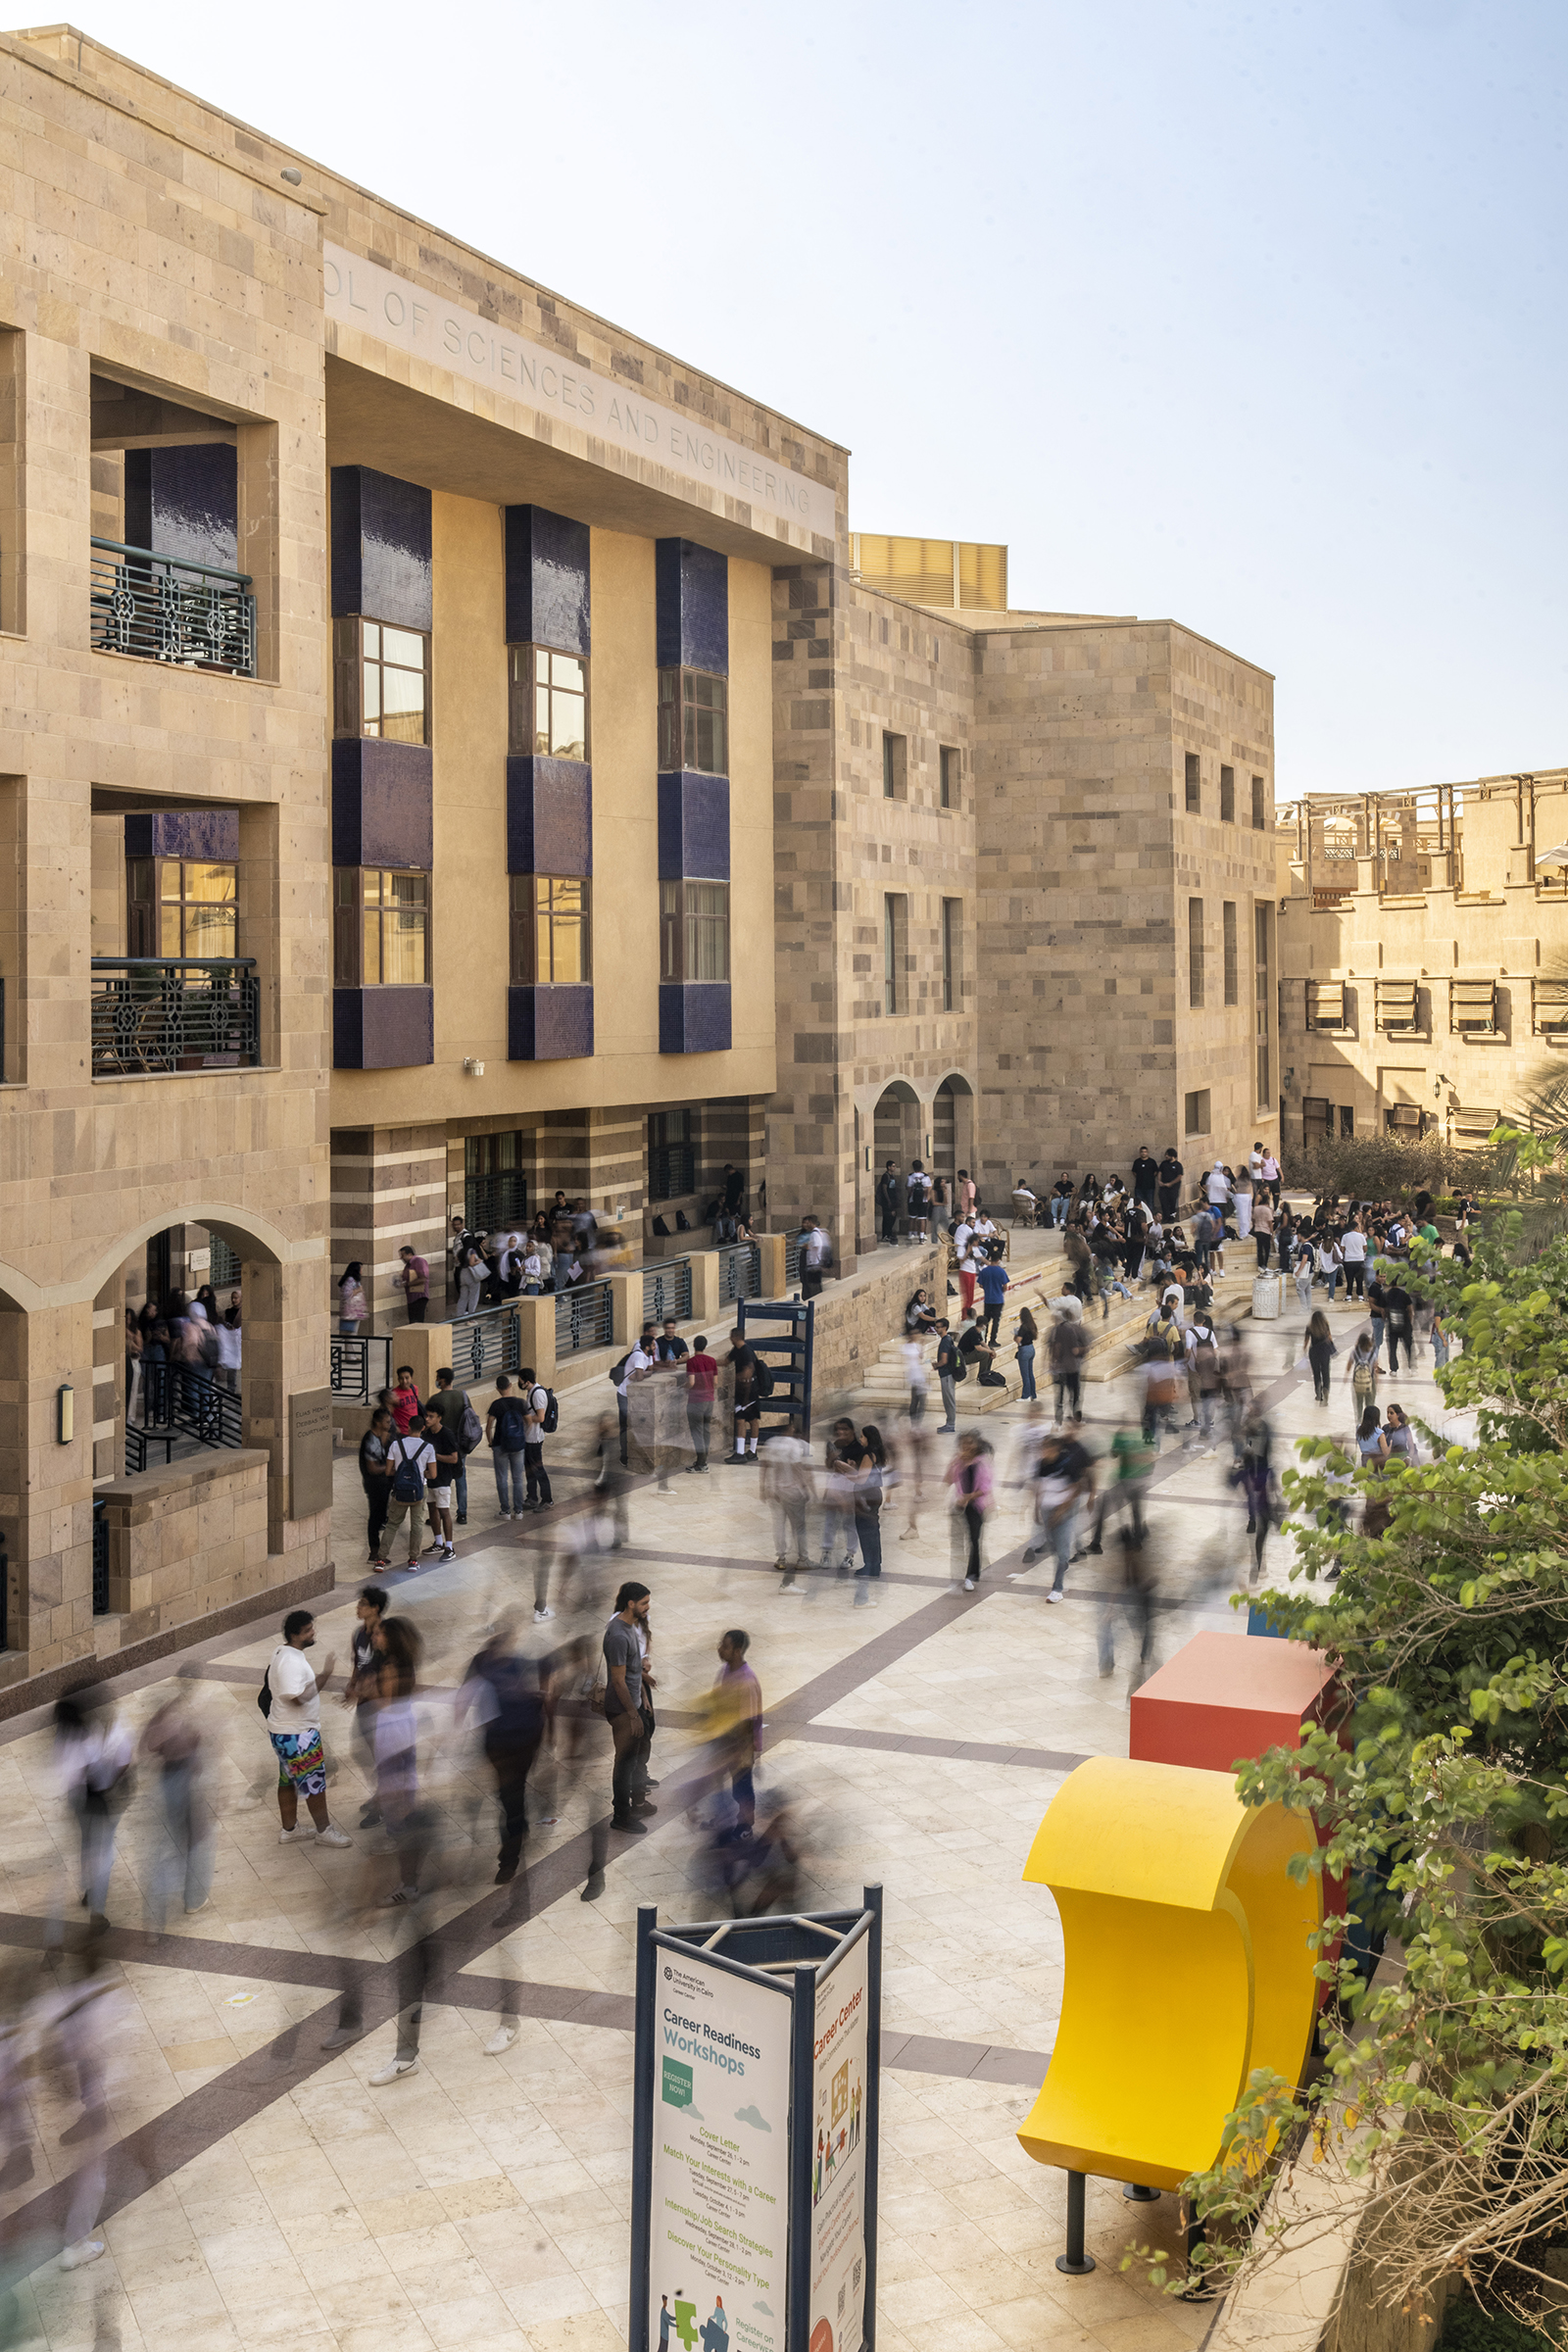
point(843, 2292)
point(857, 2281)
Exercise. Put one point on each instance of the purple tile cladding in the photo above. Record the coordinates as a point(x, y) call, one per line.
point(694, 1017)
point(382, 803)
point(693, 827)
point(550, 1024)
point(382, 1028)
point(185, 502)
point(212, 833)
point(380, 547)
point(550, 816)
point(547, 580)
point(691, 590)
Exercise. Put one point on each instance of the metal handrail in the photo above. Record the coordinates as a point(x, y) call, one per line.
point(584, 1318)
point(167, 609)
point(147, 1018)
point(349, 1364)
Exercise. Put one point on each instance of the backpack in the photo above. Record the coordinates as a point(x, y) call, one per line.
point(618, 1372)
point(408, 1480)
point(264, 1696)
point(762, 1377)
point(550, 1418)
point(661, 1228)
point(471, 1432)
point(683, 1223)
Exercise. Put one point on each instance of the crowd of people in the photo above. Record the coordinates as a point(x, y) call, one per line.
point(171, 1341)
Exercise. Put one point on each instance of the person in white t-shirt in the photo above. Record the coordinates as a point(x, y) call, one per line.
point(1352, 1251)
point(294, 1726)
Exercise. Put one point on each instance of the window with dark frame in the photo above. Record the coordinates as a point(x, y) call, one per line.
point(181, 906)
point(551, 945)
point(1259, 806)
point(1195, 953)
point(381, 928)
point(952, 950)
point(895, 767)
point(495, 1180)
point(380, 680)
point(547, 702)
point(1261, 917)
point(671, 1156)
point(1232, 971)
point(895, 951)
point(694, 931)
point(1346, 1122)
point(949, 774)
point(1195, 787)
point(1227, 795)
point(693, 722)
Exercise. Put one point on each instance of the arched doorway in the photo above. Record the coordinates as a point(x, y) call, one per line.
point(953, 1128)
point(897, 1134)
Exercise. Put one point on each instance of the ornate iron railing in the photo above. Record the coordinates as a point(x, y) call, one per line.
point(154, 1014)
point(668, 1290)
point(166, 609)
point(740, 1271)
point(139, 1440)
point(488, 1342)
point(180, 1401)
point(584, 1318)
point(360, 1365)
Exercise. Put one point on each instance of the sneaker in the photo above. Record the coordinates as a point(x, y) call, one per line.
point(594, 1889)
point(340, 2037)
point(436, 1546)
point(630, 1828)
point(461, 1519)
point(1094, 1549)
point(543, 1616)
point(205, 1904)
point(501, 2039)
point(412, 1567)
point(399, 1900)
point(641, 1804)
point(449, 1552)
point(331, 1837)
point(380, 1561)
point(1054, 1595)
point(85, 2249)
point(648, 1782)
point(392, 2070)
point(790, 1589)
point(968, 1584)
point(300, 1836)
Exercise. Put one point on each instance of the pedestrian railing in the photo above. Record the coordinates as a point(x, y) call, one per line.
point(360, 1365)
point(584, 1318)
point(668, 1290)
point(166, 609)
point(740, 1271)
point(791, 1258)
point(180, 1401)
point(154, 1014)
point(139, 1442)
point(489, 1341)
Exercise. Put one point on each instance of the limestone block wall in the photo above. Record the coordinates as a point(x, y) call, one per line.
point(856, 1317)
point(186, 1541)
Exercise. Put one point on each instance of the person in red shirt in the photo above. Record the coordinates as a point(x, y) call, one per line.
point(403, 1404)
point(702, 1380)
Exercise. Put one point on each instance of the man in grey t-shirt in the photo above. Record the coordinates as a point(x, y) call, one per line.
point(623, 1699)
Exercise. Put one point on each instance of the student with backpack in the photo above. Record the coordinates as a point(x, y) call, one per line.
point(411, 1460)
point(506, 1429)
point(460, 1421)
point(539, 1422)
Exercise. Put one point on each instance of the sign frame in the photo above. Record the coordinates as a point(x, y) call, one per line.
point(795, 1956)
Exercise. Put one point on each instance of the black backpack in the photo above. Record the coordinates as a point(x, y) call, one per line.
point(408, 1479)
point(762, 1377)
point(264, 1696)
point(550, 1420)
point(618, 1372)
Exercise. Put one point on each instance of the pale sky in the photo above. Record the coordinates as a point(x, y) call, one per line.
point(1249, 316)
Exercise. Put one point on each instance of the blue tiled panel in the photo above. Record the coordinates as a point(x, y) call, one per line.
point(380, 547)
point(382, 1028)
point(694, 1017)
point(185, 502)
point(185, 833)
point(550, 816)
point(691, 587)
point(693, 827)
point(382, 803)
point(547, 580)
point(550, 1024)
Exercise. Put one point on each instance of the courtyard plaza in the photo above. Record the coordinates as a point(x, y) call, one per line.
point(255, 2185)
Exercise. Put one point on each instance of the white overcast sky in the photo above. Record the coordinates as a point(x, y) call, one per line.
point(1248, 315)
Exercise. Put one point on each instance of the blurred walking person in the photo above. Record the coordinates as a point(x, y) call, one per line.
point(183, 1865)
point(969, 1476)
point(786, 1460)
point(501, 1688)
point(94, 1754)
point(623, 1700)
point(871, 1478)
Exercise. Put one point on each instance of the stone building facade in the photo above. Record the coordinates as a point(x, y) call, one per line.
point(1424, 958)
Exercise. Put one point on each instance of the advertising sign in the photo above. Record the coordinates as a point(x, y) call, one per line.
point(719, 2187)
point(839, 2075)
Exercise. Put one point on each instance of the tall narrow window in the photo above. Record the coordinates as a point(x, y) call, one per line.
point(381, 681)
point(1197, 1108)
point(1260, 808)
point(952, 950)
point(694, 930)
point(381, 928)
point(895, 953)
point(895, 767)
point(548, 694)
point(693, 722)
point(1195, 953)
point(1194, 790)
point(1227, 795)
point(1228, 918)
point(671, 1156)
point(550, 941)
point(949, 771)
point(1260, 992)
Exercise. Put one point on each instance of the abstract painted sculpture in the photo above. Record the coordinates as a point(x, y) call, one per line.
point(1187, 1960)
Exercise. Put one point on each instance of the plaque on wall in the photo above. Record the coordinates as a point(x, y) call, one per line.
point(309, 1453)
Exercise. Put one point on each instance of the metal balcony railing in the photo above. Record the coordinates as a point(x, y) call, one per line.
point(668, 1290)
point(160, 1013)
point(490, 1341)
point(740, 1271)
point(360, 1365)
point(166, 609)
point(584, 1318)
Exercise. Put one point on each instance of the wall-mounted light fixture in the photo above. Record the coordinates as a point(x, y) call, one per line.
point(65, 1414)
point(289, 173)
point(473, 1068)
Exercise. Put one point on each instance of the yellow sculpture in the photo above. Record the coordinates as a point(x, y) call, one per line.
point(1187, 1965)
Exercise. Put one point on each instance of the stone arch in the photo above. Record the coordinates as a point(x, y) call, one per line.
point(952, 1131)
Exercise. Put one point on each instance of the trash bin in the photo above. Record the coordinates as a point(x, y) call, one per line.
point(1268, 1296)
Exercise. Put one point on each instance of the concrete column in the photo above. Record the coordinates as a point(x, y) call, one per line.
point(771, 1245)
point(284, 1354)
point(625, 1308)
point(428, 1347)
point(536, 1336)
point(47, 1488)
point(707, 1309)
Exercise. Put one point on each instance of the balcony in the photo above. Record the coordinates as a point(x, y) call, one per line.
point(153, 1015)
point(164, 609)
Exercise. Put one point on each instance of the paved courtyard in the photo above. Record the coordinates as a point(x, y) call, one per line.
point(255, 2188)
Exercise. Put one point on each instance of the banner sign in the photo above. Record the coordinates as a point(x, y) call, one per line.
point(838, 2154)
